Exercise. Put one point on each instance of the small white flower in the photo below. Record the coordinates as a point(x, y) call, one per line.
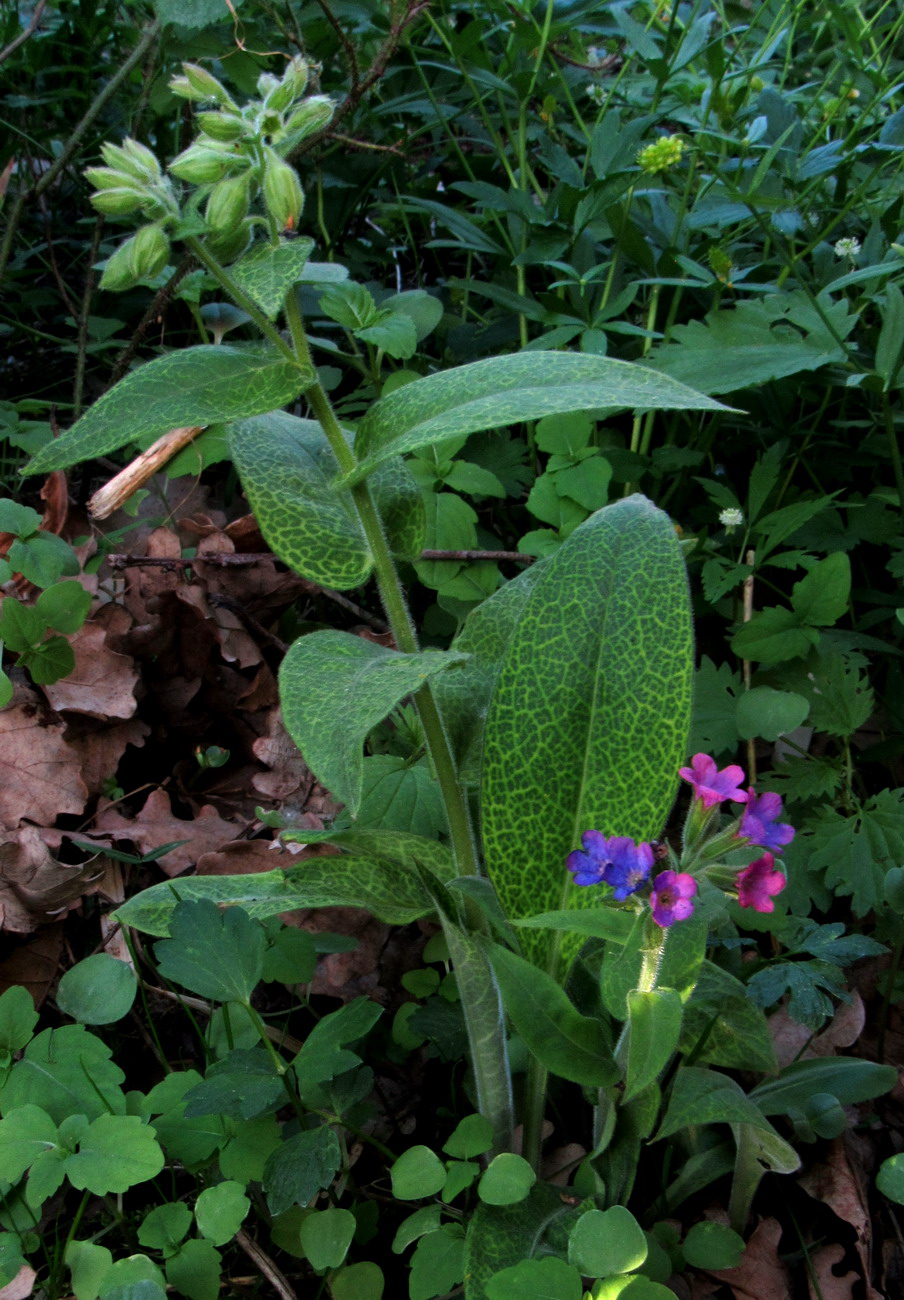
point(597, 94)
point(731, 517)
point(847, 247)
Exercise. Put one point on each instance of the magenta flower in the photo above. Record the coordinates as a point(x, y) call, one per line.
point(759, 883)
point(671, 899)
point(710, 785)
point(760, 824)
point(617, 861)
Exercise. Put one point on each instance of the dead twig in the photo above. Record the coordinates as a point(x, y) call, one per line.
point(478, 555)
point(28, 31)
point(266, 1265)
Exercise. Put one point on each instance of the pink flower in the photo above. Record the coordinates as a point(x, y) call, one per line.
point(712, 786)
point(671, 897)
point(760, 822)
point(759, 883)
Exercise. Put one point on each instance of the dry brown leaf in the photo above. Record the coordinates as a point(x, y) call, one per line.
point(830, 1286)
point(40, 775)
point(34, 964)
point(793, 1041)
point(102, 683)
point(836, 1182)
point(34, 887)
point(21, 1286)
point(156, 825)
point(289, 774)
point(102, 745)
point(243, 857)
point(761, 1275)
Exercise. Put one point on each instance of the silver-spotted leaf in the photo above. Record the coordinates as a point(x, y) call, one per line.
point(589, 720)
point(202, 385)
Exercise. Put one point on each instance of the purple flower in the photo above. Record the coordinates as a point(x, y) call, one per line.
point(617, 861)
point(671, 897)
point(711, 785)
point(759, 883)
point(760, 824)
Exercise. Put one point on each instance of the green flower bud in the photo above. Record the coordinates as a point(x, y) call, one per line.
point(283, 195)
point(203, 164)
point(148, 252)
point(118, 202)
point(118, 274)
point(266, 84)
point(132, 158)
point(312, 115)
point(296, 75)
point(280, 94)
point(200, 85)
point(224, 127)
point(228, 204)
point(108, 178)
point(227, 246)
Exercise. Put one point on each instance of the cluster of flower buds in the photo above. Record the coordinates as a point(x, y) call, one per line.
point(240, 152)
point(626, 867)
point(132, 181)
point(238, 155)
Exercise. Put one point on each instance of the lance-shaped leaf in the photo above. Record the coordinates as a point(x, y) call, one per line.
point(654, 1021)
point(568, 1044)
point(589, 720)
point(288, 471)
point(392, 892)
point(505, 390)
point(334, 689)
point(203, 385)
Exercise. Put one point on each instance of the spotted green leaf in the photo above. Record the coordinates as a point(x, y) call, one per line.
point(288, 470)
point(201, 385)
point(501, 1236)
point(505, 390)
point(266, 274)
point(334, 689)
point(589, 719)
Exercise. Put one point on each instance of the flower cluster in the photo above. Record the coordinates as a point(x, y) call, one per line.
point(625, 866)
point(661, 154)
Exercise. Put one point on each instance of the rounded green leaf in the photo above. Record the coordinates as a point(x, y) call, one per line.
point(97, 991)
point(607, 1241)
point(165, 1227)
point(417, 1173)
point(220, 1211)
point(195, 1270)
point(536, 1279)
point(115, 1153)
point(326, 1236)
point(362, 1281)
point(17, 1021)
point(769, 714)
point(471, 1137)
point(134, 1278)
point(890, 1178)
point(89, 1265)
point(64, 606)
point(713, 1246)
point(507, 1180)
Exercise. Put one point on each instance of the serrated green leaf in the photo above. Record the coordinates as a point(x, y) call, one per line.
point(267, 274)
point(857, 851)
point(713, 729)
point(115, 1153)
point(325, 1053)
point(583, 687)
point(822, 596)
point(65, 1071)
point(242, 1085)
point(25, 1133)
point(437, 1265)
point(334, 689)
point(215, 954)
point(201, 385)
point(568, 1044)
point(299, 1167)
point(64, 606)
point(391, 892)
point(506, 390)
point(772, 636)
point(165, 1227)
point(393, 332)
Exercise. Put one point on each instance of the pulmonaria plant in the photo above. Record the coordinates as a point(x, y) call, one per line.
point(625, 866)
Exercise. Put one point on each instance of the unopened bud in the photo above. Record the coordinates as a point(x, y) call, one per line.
point(290, 87)
point(283, 195)
point(200, 85)
point(118, 274)
point(118, 202)
point(228, 204)
point(296, 75)
point(266, 84)
point(228, 245)
point(202, 164)
point(108, 178)
point(132, 158)
point(221, 126)
point(148, 252)
point(309, 117)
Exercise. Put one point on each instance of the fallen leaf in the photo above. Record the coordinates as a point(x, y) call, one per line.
point(825, 1284)
point(157, 825)
point(289, 772)
point(34, 887)
point(35, 963)
point(102, 683)
point(40, 775)
point(21, 1286)
point(102, 745)
point(836, 1182)
point(761, 1275)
